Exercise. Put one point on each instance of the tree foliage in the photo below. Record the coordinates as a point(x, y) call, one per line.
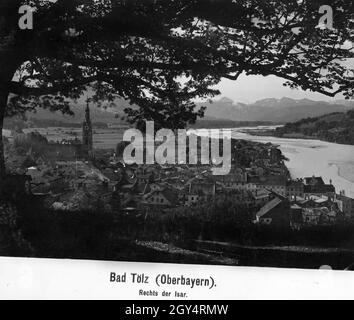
point(138, 49)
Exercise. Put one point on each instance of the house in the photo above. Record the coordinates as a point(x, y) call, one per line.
point(145, 178)
point(35, 173)
point(318, 216)
point(156, 187)
point(193, 199)
point(294, 188)
point(236, 197)
point(234, 180)
point(200, 190)
point(251, 186)
point(321, 201)
point(313, 181)
point(204, 185)
point(313, 201)
point(296, 220)
point(261, 197)
point(303, 203)
point(234, 184)
point(276, 213)
point(316, 186)
point(345, 204)
point(330, 217)
point(165, 197)
point(311, 216)
point(277, 184)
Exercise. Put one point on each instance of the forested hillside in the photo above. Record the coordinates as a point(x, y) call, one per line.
point(335, 127)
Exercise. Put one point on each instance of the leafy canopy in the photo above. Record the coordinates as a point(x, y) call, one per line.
point(162, 54)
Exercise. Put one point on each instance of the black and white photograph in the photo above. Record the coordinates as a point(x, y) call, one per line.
point(195, 132)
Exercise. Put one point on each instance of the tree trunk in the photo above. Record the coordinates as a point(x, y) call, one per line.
point(10, 60)
point(3, 103)
point(8, 66)
point(7, 72)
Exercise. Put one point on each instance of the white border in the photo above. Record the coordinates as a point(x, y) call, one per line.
point(74, 279)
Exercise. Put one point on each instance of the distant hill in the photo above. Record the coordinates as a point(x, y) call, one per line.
point(335, 127)
point(221, 113)
point(111, 114)
point(274, 110)
point(213, 123)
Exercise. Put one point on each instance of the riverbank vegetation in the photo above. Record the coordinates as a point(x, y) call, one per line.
point(334, 127)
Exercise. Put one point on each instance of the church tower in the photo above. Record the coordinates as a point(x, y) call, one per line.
point(87, 139)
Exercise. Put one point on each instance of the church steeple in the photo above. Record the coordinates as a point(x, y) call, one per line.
point(87, 139)
point(87, 112)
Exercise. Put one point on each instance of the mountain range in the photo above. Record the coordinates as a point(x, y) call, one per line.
point(219, 112)
point(275, 110)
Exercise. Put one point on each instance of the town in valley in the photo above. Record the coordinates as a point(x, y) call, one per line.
point(71, 176)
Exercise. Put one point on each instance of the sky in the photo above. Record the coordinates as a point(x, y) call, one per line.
point(249, 89)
